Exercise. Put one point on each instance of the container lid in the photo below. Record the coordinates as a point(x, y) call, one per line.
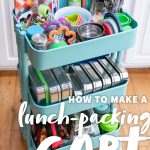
point(108, 30)
point(124, 20)
point(34, 29)
point(102, 109)
point(108, 127)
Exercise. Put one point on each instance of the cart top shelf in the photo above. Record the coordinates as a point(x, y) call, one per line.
point(80, 51)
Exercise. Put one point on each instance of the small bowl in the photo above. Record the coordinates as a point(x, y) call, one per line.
point(70, 10)
point(90, 31)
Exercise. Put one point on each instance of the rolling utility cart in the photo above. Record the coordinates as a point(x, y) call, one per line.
point(113, 44)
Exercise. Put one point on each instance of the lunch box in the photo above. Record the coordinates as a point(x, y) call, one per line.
point(64, 82)
point(96, 81)
point(113, 74)
point(121, 70)
point(38, 88)
point(77, 89)
point(81, 77)
point(102, 74)
point(77, 80)
point(59, 85)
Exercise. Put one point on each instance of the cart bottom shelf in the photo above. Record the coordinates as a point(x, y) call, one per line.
point(95, 141)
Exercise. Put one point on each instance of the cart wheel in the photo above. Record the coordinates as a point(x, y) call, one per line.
point(20, 131)
point(22, 134)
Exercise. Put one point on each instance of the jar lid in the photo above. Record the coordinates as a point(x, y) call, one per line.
point(102, 109)
point(34, 29)
point(108, 127)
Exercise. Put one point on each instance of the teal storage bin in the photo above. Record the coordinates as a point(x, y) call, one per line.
point(80, 51)
point(95, 141)
point(66, 55)
point(71, 108)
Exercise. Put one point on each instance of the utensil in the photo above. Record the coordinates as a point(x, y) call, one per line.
point(59, 32)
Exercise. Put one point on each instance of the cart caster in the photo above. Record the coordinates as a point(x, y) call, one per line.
point(23, 136)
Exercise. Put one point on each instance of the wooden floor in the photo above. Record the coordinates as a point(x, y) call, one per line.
point(11, 139)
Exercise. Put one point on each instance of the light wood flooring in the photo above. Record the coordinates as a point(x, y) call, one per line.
point(10, 138)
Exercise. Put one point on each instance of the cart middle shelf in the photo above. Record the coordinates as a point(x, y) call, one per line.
point(71, 108)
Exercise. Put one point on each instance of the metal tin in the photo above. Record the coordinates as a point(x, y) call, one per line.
point(115, 77)
point(68, 80)
point(77, 90)
point(65, 84)
point(54, 87)
point(102, 74)
point(97, 83)
point(39, 41)
point(38, 88)
point(121, 70)
point(36, 85)
point(81, 78)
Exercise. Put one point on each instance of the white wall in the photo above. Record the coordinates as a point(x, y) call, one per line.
point(139, 56)
point(8, 50)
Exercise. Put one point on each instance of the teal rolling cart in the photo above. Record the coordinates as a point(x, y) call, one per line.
point(114, 44)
